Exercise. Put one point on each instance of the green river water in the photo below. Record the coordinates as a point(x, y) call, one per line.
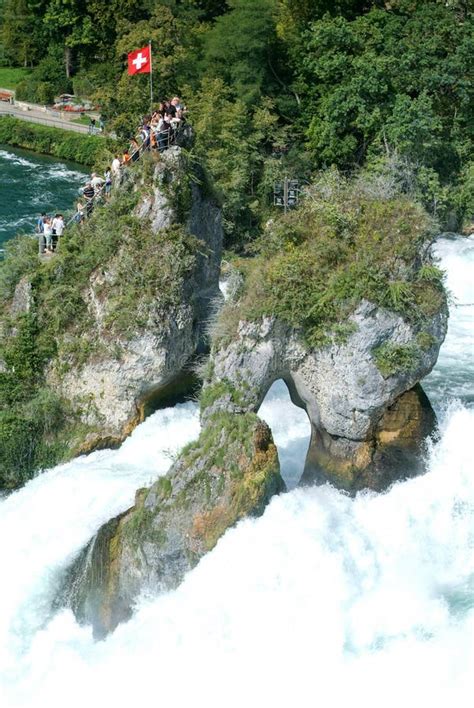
point(32, 183)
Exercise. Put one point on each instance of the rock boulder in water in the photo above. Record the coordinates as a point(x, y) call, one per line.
point(230, 472)
point(93, 337)
point(353, 363)
point(362, 419)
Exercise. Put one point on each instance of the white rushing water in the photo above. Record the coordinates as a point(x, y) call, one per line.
point(323, 601)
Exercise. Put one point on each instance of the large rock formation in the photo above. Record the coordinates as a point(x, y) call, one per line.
point(354, 367)
point(106, 329)
point(363, 421)
point(230, 472)
point(125, 370)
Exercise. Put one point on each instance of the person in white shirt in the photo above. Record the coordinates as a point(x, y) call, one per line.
point(55, 225)
point(48, 234)
point(97, 182)
point(58, 228)
point(116, 169)
point(60, 225)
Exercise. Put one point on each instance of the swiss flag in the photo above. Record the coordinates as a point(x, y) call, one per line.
point(139, 61)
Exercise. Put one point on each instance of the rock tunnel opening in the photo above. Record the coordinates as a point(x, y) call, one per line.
point(291, 431)
point(183, 387)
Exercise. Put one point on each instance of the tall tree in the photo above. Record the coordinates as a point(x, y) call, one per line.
point(242, 46)
point(21, 32)
point(399, 79)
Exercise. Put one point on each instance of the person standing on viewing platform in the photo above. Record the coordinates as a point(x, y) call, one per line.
point(88, 193)
point(40, 231)
point(40, 222)
point(163, 132)
point(134, 149)
point(55, 225)
point(116, 165)
point(145, 133)
point(108, 182)
point(97, 183)
point(58, 229)
point(79, 215)
point(48, 234)
point(175, 121)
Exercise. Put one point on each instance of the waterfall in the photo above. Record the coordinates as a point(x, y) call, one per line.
point(324, 600)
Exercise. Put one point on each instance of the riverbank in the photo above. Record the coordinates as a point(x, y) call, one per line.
point(86, 150)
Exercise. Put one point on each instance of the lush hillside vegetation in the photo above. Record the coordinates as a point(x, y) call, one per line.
point(302, 85)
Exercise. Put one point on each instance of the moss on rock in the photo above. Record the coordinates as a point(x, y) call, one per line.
point(344, 244)
point(229, 473)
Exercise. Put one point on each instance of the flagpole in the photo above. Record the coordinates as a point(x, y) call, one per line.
point(151, 78)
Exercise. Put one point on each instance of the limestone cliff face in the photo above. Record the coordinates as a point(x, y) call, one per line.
point(229, 473)
point(342, 388)
point(123, 370)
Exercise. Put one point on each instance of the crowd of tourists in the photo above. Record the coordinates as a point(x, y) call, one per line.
point(157, 132)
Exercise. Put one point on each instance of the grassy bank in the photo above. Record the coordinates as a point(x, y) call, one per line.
point(11, 76)
point(88, 150)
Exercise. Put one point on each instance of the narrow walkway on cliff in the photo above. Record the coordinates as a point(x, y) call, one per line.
point(291, 431)
point(97, 190)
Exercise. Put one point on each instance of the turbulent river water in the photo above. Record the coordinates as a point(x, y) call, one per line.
point(323, 601)
point(30, 184)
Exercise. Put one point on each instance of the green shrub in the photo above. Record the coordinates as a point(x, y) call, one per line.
point(29, 440)
point(19, 260)
point(342, 245)
point(26, 90)
point(44, 93)
point(32, 417)
point(67, 145)
point(392, 359)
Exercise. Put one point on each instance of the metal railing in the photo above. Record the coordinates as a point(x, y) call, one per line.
point(164, 140)
point(51, 121)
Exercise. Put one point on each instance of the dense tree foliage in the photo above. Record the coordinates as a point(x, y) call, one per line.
point(274, 86)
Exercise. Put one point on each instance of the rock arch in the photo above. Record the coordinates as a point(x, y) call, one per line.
point(362, 421)
point(291, 430)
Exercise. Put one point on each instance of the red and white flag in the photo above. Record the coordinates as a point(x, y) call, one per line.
point(139, 61)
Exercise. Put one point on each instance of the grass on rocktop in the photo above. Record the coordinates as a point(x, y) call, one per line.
point(11, 76)
point(344, 244)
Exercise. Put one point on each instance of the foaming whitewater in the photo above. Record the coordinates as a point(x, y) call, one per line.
point(291, 431)
point(45, 524)
point(323, 601)
point(453, 376)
